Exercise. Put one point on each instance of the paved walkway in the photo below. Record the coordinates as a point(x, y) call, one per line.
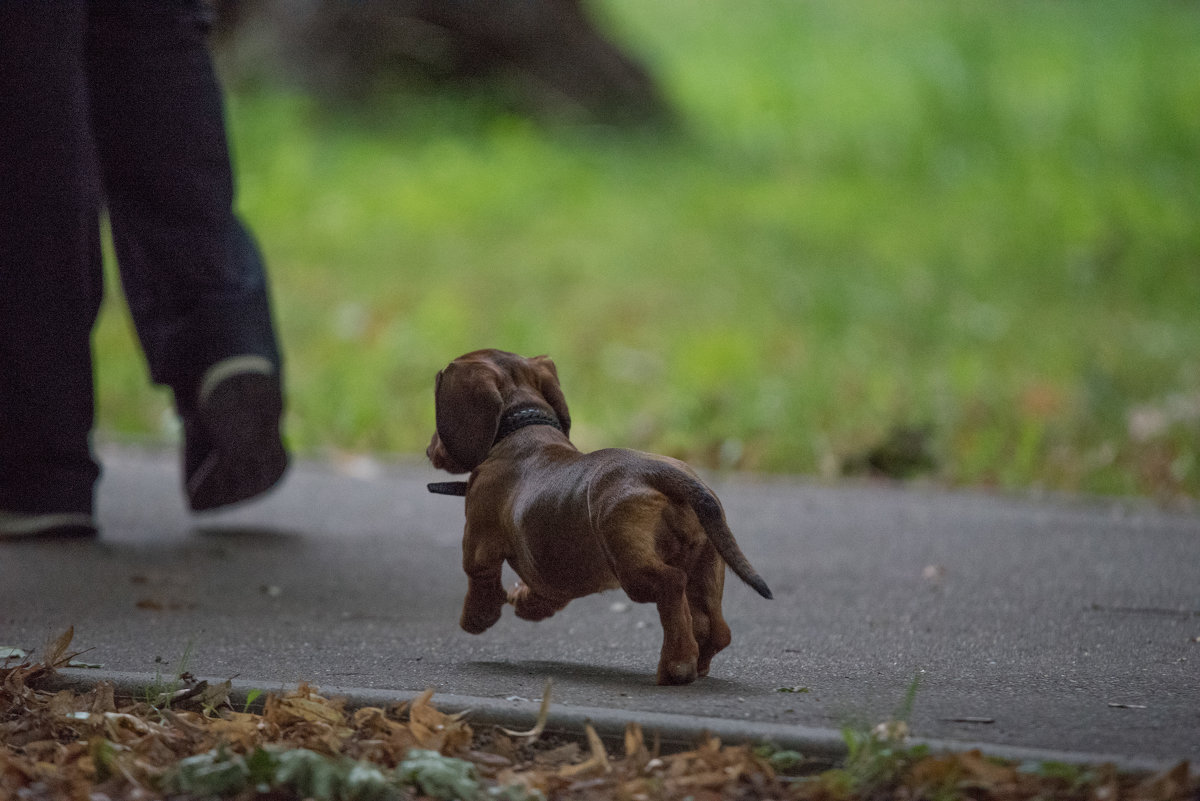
point(1052, 625)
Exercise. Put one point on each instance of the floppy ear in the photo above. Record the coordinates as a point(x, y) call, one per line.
point(551, 391)
point(467, 407)
point(440, 459)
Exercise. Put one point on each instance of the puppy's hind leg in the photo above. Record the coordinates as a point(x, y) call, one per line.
point(678, 661)
point(705, 588)
point(646, 578)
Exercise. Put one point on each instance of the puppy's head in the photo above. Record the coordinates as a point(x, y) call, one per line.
point(472, 394)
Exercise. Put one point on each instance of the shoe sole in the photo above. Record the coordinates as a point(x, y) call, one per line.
point(52, 526)
point(240, 417)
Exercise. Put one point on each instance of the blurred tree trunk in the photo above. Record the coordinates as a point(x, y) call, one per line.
point(548, 51)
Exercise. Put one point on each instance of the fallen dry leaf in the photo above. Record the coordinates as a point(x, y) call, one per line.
point(55, 651)
point(597, 761)
point(543, 716)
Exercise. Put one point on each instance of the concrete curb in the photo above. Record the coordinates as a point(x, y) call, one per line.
point(675, 732)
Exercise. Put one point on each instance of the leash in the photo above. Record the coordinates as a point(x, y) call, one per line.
point(458, 488)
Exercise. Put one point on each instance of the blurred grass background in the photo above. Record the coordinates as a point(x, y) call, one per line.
point(967, 232)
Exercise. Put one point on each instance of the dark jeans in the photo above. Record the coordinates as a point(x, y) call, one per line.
point(110, 105)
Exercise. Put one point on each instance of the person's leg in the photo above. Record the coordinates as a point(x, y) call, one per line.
point(50, 276)
point(192, 274)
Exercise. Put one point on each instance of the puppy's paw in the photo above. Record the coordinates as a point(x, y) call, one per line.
point(529, 605)
point(674, 673)
point(474, 622)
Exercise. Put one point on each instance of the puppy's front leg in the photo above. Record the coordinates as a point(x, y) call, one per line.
point(484, 602)
point(485, 590)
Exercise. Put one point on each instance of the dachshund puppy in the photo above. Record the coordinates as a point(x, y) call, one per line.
point(571, 524)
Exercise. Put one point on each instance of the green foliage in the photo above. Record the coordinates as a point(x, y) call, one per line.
point(878, 760)
point(874, 763)
point(1075, 778)
point(307, 774)
point(904, 711)
point(222, 773)
point(103, 754)
point(216, 773)
point(438, 776)
point(312, 775)
point(968, 220)
point(251, 697)
point(160, 692)
point(785, 760)
point(780, 759)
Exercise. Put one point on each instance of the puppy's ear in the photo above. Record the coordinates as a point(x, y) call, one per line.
point(440, 459)
point(551, 391)
point(467, 407)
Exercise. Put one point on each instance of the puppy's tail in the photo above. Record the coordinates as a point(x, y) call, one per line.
point(679, 486)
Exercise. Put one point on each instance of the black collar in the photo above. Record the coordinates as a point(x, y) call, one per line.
point(528, 416)
point(510, 422)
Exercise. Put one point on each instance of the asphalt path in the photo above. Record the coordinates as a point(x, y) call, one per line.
point(1054, 624)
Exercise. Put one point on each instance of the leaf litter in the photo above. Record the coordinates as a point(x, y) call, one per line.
point(194, 744)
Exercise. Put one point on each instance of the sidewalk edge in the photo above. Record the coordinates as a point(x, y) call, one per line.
point(674, 731)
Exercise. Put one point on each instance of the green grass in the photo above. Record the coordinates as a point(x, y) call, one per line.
point(977, 218)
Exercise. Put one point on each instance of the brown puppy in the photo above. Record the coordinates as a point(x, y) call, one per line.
point(571, 524)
